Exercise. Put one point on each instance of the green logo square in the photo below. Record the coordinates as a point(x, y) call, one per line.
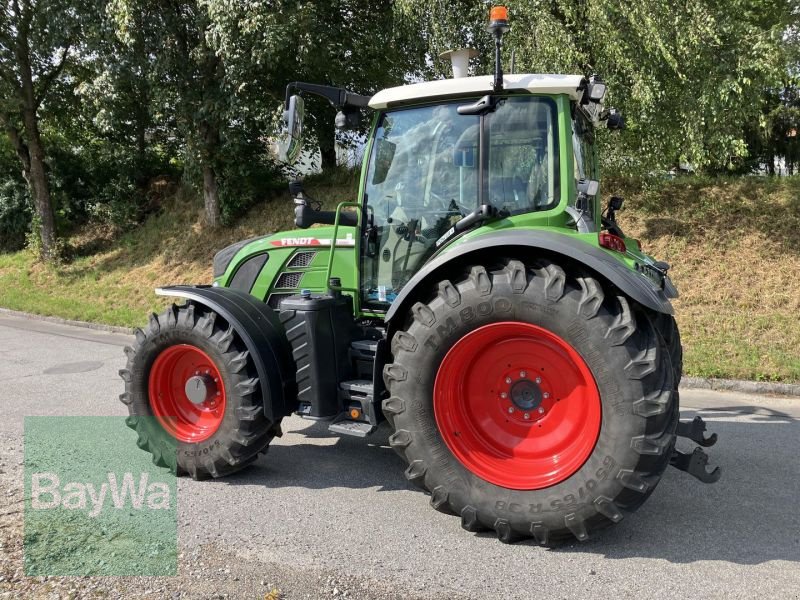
point(94, 502)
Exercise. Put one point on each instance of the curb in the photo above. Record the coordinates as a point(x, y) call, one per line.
point(764, 388)
point(60, 321)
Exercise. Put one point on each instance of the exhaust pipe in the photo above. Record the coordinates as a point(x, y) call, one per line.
point(460, 60)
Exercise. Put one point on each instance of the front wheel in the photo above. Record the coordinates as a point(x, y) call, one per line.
point(193, 395)
point(531, 403)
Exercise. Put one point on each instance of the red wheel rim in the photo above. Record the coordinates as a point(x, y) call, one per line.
point(517, 405)
point(187, 394)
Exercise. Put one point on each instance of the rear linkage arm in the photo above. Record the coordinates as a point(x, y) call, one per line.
point(695, 430)
point(696, 462)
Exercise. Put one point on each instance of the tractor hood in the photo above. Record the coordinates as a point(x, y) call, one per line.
point(228, 260)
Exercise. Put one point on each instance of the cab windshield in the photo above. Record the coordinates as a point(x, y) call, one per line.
point(423, 177)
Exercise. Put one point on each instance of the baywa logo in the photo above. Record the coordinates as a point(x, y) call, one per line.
point(94, 502)
point(47, 493)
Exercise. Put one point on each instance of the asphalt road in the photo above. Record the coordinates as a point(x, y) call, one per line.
point(321, 512)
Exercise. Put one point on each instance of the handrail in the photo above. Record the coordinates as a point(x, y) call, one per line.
point(339, 208)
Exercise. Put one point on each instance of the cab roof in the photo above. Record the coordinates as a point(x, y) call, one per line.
point(465, 86)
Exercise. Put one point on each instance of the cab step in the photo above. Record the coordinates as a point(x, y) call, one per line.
point(362, 357)
point(354, 428)
point(357, 398)
point(357, 390)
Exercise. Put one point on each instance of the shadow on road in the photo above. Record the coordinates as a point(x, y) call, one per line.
point(331, 461)
point(749, 517)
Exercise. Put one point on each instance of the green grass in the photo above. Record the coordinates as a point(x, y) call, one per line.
point(734, 245)
point(110, 279)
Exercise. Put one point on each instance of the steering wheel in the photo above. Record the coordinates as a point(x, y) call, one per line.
point(446, 206)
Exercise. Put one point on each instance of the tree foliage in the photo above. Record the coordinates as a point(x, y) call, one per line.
point(361, 45)
point(100, 99)
point(688, 78)
point(37, 38)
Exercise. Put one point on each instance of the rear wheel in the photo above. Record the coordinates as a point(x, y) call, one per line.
point(531, 403)
point(192, 394)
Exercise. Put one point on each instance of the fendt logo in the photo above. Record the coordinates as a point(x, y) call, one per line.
point(303, 241)
point(347, 241)
point(47, 493)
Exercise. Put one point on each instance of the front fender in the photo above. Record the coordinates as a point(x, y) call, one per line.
point(262, 334)
point(543, 243)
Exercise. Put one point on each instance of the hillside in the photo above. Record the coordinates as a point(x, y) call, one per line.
point(734, 246)
point(735, 249)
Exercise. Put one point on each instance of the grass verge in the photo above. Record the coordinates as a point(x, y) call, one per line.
point(734, 245)
point(110, 279)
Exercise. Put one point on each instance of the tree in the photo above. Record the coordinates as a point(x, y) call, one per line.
point(361, 45)
point(357, 44)
point(209, 92)
point(191, 76)
point(118, 84)
point(783, 134)
point(36, 41)
point(689, 80)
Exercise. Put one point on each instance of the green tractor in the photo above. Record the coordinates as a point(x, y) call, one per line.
point(475, 297)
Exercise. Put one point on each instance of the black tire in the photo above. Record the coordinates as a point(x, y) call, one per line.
point(668, 328)
point(244, 431)
point(627, 358)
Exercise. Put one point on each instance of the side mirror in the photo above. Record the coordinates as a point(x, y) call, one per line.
point(615, 121)
point(384, 155)
point(615, 203)
point(290, 141)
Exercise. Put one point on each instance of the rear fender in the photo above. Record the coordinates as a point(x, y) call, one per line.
point(518, 243)
point(262, 334)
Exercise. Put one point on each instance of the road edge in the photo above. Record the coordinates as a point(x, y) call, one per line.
point(763, 388)
point(62, 321)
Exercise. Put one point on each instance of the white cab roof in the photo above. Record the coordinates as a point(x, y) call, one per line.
point(536, 84)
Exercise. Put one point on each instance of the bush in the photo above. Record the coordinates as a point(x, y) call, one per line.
point(243, 185)
point(119, 203)
point(15, 214)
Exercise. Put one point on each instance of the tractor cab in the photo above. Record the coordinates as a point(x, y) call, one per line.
point(446, 157)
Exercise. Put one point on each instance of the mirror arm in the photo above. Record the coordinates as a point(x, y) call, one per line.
point(338, 97)
point(486, 104)
point(305, 215)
